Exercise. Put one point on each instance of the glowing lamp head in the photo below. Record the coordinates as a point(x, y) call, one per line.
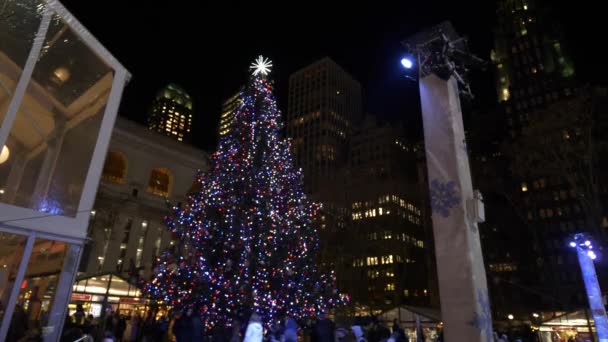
point(4, 154)
point(535, 315)
point(511, 317)
point(407, 63)
point(592, 255)
point(572, 244)
point(587, 243)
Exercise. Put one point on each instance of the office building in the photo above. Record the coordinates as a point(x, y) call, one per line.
point(324, 103)
point(171, 113)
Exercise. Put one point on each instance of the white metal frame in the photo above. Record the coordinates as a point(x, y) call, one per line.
point(32, 219)
point(35, 224)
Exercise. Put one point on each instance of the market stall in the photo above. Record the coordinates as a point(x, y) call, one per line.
point(567, 325)
point(409, 317)
point(111, 290)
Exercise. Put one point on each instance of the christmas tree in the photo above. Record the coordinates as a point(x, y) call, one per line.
point(246, 239)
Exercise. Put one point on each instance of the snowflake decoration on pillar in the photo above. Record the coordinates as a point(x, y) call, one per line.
point(261, 66)
point(443, 197)
point(483, 320)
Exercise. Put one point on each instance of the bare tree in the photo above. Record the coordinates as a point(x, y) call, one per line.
point(564, 143)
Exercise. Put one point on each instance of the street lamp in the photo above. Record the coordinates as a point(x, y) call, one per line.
point(584, 250)
point(510, 317)
point(407, 62)
point(4, 154)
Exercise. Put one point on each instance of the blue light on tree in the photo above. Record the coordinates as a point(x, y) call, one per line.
point(586, 255)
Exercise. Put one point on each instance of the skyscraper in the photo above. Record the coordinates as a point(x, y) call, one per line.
point(386, 251)
point(324, 102)
point(529, 214)
point(226, 118)
point(533, 67)
point(171, 113)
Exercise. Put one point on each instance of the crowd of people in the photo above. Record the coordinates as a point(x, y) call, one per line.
point(320, 330)
point(116, 327)
point(187, 326)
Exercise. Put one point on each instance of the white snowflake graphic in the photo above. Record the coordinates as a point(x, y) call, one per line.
point(483, 320)
point(443, 197)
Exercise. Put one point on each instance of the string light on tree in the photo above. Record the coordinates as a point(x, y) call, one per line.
point(261, 66)
point(246, 240)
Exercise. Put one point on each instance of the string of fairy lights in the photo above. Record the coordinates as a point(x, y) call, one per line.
point(247, 243)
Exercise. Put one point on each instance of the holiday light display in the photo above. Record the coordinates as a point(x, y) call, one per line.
point(246, 240)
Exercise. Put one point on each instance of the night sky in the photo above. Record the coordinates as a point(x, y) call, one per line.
point(207, 48)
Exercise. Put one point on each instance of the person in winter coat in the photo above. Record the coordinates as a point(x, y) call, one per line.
point(378, 332)
point(357, 330)
point(341, 334)
point(236, 331)
point(150, 331)
point(254, 332)
point(324, 329)
point(396, 326)
point(220, 334)
point(120, 326)
point(291, 331)
point(276, 331)
point(108, 337)
point(197, 326)
point(182, 328)
point(18, 325)
point(79, 316)
point(503, 338)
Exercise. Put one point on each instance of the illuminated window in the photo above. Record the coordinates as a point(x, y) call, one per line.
point(115, 167)
point(371, 261)
point(505, 94)
point(389, 287)
point(386, 260)
point(140, 249)
point(406, 292)
point(160, 182)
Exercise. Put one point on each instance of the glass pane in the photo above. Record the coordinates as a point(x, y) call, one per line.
point(10, 257)
point(38, 288)
point(19, 22)
point(52, 140)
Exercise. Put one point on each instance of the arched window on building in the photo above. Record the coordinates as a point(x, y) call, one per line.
point(160, 182)
point(115, 168)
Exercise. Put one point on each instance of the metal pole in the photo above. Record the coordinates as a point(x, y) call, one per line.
point(104, 305)
point(589, 326)
point(12, 300)
point(63, 293)
point(594, 294)
point(26, 74)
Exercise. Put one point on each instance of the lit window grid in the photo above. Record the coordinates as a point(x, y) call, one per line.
point(307, 113)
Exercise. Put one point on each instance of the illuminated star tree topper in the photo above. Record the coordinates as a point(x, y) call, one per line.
point(261, 65)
